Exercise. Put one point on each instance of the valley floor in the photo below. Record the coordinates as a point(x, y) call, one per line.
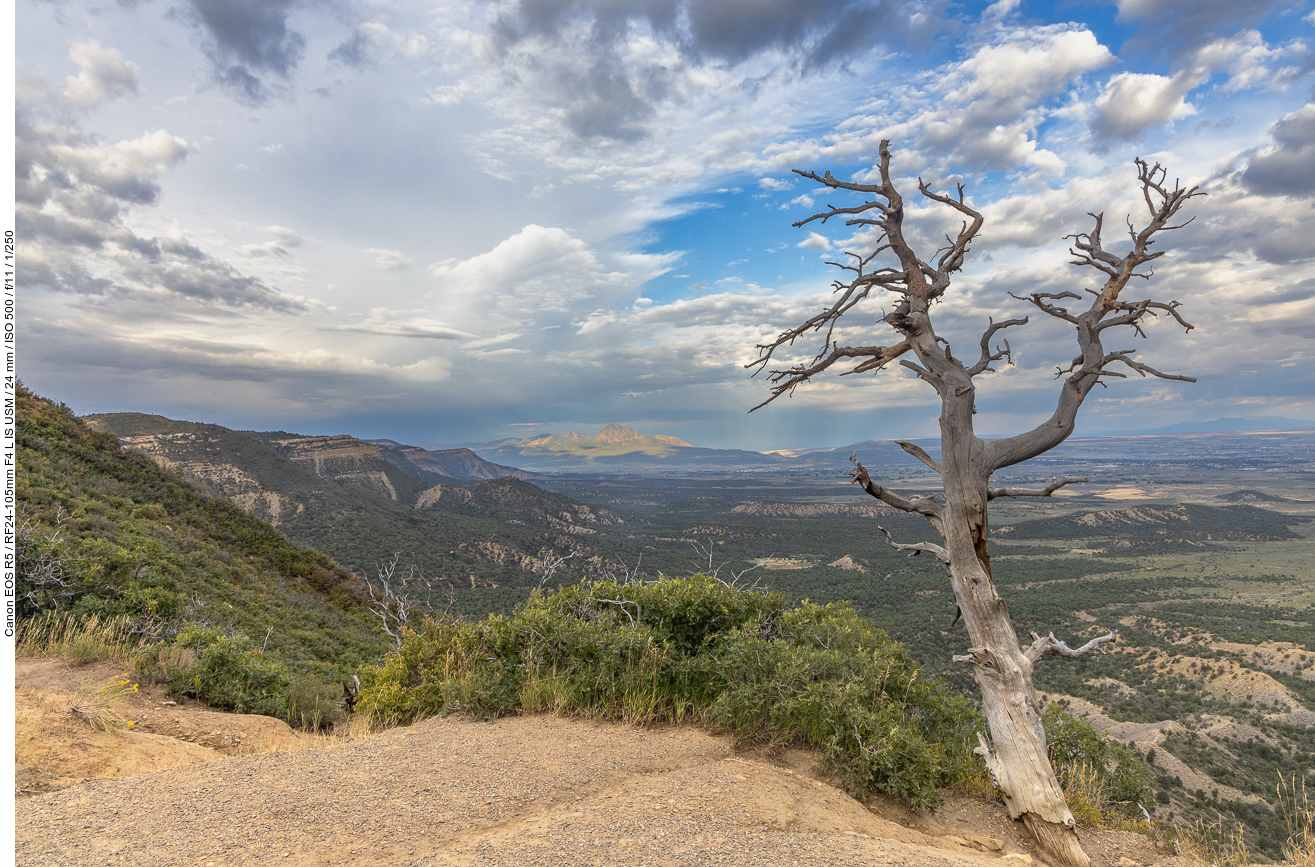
point(520, 791)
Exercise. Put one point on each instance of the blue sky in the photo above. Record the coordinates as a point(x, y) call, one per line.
point(458, 221)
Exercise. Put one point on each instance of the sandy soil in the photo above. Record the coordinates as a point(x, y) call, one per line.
point(189, 786)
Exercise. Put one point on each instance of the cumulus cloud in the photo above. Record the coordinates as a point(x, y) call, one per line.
point(246, 39)
point(1250, 62)
point(1287, 168)
point(991, 104)
point(103, 75)
point(537, 270)
point(1132, 102)
point(817, 242)
point(72, 193)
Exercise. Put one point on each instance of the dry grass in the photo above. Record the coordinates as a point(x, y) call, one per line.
point(1299, 816)
point(79, 640)
point(95, 705)
point(1085, 794)
point(1214, 844)
point(357, 727)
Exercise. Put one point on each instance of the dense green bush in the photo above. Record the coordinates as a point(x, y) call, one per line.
point(694, 648)
point(227, 673)
point(828, 679)
point(603, 649)
point(1102, 777)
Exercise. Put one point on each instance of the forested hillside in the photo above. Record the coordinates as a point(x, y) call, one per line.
point(103, 530)
point(340, 495)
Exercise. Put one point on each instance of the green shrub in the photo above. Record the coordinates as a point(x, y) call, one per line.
point(828, 679)
point(693, 648)
point(313, 705)
point(1103, 778)
point(228, 673)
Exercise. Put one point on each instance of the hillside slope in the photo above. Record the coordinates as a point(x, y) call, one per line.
point(105, 530)
point(341, 496)
point(444, 465)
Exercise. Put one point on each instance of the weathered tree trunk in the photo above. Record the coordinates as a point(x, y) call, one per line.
point(1016, 757)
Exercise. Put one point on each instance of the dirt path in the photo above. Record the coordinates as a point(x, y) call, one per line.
point(521, 791)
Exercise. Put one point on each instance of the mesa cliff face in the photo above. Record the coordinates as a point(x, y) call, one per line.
point(346, 459)
point(349, 498)
point(223, 461)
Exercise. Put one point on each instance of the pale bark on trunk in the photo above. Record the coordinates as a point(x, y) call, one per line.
point(1016, 755)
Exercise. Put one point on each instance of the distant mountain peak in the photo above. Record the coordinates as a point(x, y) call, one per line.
point(619, 434)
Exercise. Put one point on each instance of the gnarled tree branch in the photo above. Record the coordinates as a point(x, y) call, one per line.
point(786, 381)
point(925, 506)
point(993, 492)
point(921, 455)
point(917, 548)
point(989, 355)
point(1107, 309)
point(1052, 646)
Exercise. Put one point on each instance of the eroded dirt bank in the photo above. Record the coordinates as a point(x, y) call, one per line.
point(521, 791)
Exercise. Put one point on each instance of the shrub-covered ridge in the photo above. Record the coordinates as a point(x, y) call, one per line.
point(105, 532)
point(694, 649)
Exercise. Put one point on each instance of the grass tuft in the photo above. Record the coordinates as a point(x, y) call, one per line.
point(82, 640)
point(1216, 844)
point(96, 705)
point(1299, 820)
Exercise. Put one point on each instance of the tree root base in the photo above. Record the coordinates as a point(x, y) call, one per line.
point(1059, 844)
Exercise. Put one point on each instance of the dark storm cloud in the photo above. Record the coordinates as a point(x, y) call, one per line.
point(1288, 168)
point(610, 98)
point(609, 105)
point(726, 30)
point(1184, 25)
point(245, 39)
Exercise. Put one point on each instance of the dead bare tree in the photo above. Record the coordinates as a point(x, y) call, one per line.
point(549, 565)
point(1016, 755)
point(714, 571)
point(44, 580)
point(393, 600)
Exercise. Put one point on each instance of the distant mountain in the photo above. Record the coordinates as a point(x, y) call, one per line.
point(444, 465)
point(617, 448)
point(1222, 425)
